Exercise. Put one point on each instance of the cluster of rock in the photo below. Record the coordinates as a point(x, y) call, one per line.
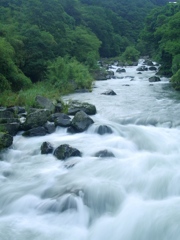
point(39, 122)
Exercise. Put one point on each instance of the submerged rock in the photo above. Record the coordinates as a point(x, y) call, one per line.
point(109, 92)
point(65, 151)
point(154, 79)
point(103, 129)
point(104, 153)
point(46, 148)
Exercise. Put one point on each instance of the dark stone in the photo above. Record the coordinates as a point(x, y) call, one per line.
point(148, 62)
point(66, 151)
point(109, 92)
point(152, 68)
point(36, 119)
point(34, 132)
point(142, 68)
point(154, 79)
point(81, 121)
point(58, 107)
point(71, 130)
point(10, 128)
point(139, 73)
point(62, 120)
point(103, 129)
point(5, 113)
point(126, 85)
point(46, 148)
point(6, 140)
point(104, 154)
point(121, 70)
point(45, 103)
point(76, 106)
point(17, 109)
point(110, 73)
point(50, 127)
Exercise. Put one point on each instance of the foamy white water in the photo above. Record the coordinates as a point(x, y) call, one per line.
point(132, 196)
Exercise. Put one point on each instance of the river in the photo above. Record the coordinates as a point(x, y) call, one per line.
point(132, 196)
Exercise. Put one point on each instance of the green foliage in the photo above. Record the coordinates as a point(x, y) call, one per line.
point(161, 35)
point(131, 54)
point(175, 80)
point(69, 74)
point(176, 63)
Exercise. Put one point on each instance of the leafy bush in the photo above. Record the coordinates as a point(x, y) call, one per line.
point(69, 74)
point(175, 80)
point(176, 63)
point(130, 54)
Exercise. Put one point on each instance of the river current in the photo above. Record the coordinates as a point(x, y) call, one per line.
point(132, 196)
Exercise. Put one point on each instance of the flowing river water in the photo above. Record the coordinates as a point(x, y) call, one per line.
point(132, 196)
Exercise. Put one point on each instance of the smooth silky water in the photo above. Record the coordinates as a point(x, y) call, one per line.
point(132, 196)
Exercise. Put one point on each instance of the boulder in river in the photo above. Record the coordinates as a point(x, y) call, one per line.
point(76, 106)
point(6, 140)
point(121, 70)
point(65, 151)
point(46, 148)
point(152, 68)
point(34, 132)
point(37, 118)
point(104, 153)
point(62, 120)
point(154, 79)
point(142, 68)
point(81, 122)
point(109, 92)
point(103, 129)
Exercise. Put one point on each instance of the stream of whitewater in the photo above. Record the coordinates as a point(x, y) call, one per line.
point(132, 196)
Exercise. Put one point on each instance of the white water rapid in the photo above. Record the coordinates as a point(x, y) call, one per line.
point(132, 196)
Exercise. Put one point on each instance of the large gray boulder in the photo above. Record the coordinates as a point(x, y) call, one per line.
point(81, 122)
point(35, 132)
point(36, 119)
point(62, 120)
point(76, 106)
point(6, 140)
point(65, 151)
point(154, 79)
point(10, 128)
point(44, 103)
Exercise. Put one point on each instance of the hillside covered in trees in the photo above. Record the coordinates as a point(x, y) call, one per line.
point(58, 42)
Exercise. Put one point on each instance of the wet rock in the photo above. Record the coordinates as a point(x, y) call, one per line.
point(10, 128)
point(154, 79)
point(104, 154)
point(142, 68)
point(5, 113)
point(17, 109)
point(139, 73)
point(46, 148)
point(121, 70)
point(36, 119)
point(152, 68)
point(148, 62)
point(50, 127)
point(34, 132)
point(81, 122)
point(6, 140)
point(109, 92)
point(62, 120)
point(103, 129)
point(76, 106)
point(45, 103)
point(66, 151)
point(58, 107)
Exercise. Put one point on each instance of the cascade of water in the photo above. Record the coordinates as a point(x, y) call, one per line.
point(132, 195)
